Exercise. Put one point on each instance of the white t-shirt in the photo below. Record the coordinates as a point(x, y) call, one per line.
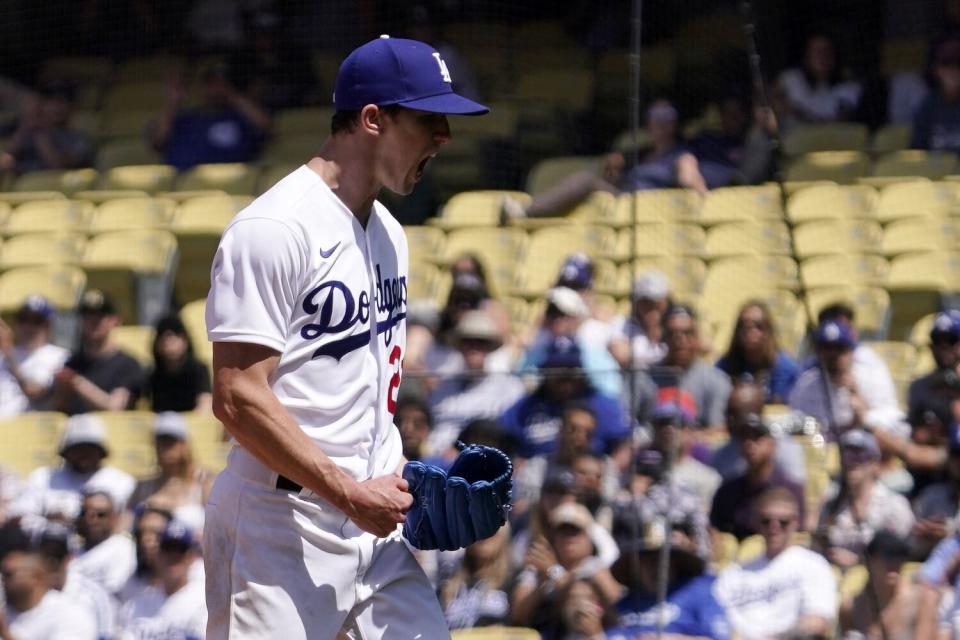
point(296, 272)
point(37, 366)
point(764, 598)
point(93, 599)
point(56, 617)
point(821, 102)
point(153, 615)
point(110, 564)
point(645, 352)
point(52, 490)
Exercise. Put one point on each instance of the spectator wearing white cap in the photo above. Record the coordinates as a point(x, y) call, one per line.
point(637, 340)
point(27, 359)
point(106, 557)
point(577, 272)
point(55, 492)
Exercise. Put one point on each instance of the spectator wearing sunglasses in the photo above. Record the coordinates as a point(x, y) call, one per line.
point(106, 557)
point(27, 359)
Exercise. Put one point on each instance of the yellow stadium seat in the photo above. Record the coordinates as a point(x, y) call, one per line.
point(424, 283)
point(235, 178)
point(304, 120)
point(852, 582)
point(475, 208)
point(86, 121)
point(842, 167)
point(192, 315)
point(596, 209)
point(30, 440)
point(725, 549)
point(751, 548)
point(747, 238)
point(499, 249)
point(125, 152)
point(548, 248)
point(495, 633)
point(147, 177)
point(871, 305)
point(129, 124)
point(920, 333)
point(919, 234)
point(553, 87)
point(842, 270)
point(208, 214)
point(657, 205)
point(204, 428)
point(99, 196)
point(5, 210)
point(424, 242)
point(49, 215)
point(132, 213)
point(16, 198)
point(134, 96)
point(836, 237)
point(549, 172)
point(274, 173)
point(31, 249)
point(900, 357)
point(137, 341)
point(732, 281)
point(60, 284)
point(685, 274)
point(730, 204)
point(832, 136)
point(916, 162)
point(891, 137)
point(292, 148)
point(183, 196)
point(831, 201)
point(212, 456)
point(659, 239)
point(916, 198)
point(935, 270)
point(66, 181)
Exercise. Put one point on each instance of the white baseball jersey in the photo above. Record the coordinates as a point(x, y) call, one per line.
point(55, 616)
point(296, 272)
point(154, 615)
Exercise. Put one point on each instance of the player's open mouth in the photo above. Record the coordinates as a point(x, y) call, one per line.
point(423, 165)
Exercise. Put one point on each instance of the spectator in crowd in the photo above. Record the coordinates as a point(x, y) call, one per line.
point(665, 163)
point(182, 485)
point(736, 504)
point(148, 524)
point(28, 361)
point(638, 339)
point(896, 616)
point(936, 507)
point(817, 91)
point(178, 381)
point(107, 556)
point(789, 591)
point(99, 376)
point(175, 605)
point(530, 517)
point(584, 611)
point(737, 153)
point(34, 609)
point(54, 546)
point(577, 273)
point(862, 506)
point(227, 127)
point(477, 593)
point(56, 492)
point(44, 138)
point(476, 392)
point(745, 415)
point(938, 585)
point(567, 553)
point(754, 352)
point(535, 419)
point(937, 390)
point(936, 124)
point(414, 420)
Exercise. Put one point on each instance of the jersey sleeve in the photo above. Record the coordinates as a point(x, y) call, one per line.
point(253, 284)
point(819, 587)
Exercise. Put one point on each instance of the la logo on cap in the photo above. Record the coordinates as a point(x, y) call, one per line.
point(443, 67)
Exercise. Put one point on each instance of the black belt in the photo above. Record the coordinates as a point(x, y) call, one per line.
point(286, 484)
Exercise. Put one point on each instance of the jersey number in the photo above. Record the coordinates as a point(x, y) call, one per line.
point(395, 358)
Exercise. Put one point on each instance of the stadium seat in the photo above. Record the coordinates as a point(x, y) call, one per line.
point(79, 69)
point(844, 270)
point(5, 210)
point(49, 215)
point(900, 357)
point(852, 582)
point(302, 121)
point(495, 633)
point(731, 204)
point(549, 172)
point(192, 315)
point(871, 305)
point(184, 196)
point(659, 239)
point(596, 209)
point(475, 208)
point(132, 213)
point(16, 198)
point(656, 205)
point(424, 283)
point(66, 181)
point(235, 178)
point(31, 249)
point(292, 148)
point(424, 242)
point(204, 428)
point(212, 456)
point(147, 177)
point(552, 87)
point(725, 549)
point(500, 123)
point(137, 341)
point(548, 248)
point(30, 440)
point(732, 281)
point(916, 162)
point(751, 548)
point(835, 237)
point(831, 201)
point(86, 121)
point(919, 234)
point(60, 284)
point(499, 249)
point(125, 152)
point(831, 136)
point(920, 333)
point(916, 198)
point(134, 96)
point(685, 274)
point(154, 68)
point(891, 137)
point(747, 238)
point(99, 196)
point(129, 124)
point(842, 167)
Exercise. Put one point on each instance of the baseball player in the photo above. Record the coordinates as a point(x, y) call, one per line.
point(306, 313)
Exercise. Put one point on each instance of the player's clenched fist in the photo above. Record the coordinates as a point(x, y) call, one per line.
point(380, 504)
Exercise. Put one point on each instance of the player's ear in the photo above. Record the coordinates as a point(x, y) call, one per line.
point(371, 119)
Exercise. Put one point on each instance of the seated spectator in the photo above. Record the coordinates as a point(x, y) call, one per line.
point(475, 392)
point(227, 127)
point(175, 607)
point(584, 611)
point(936, 390)
point(178, 381)
point(98, 376)
point(861, 619)
point(936, 507)
point(182, 485)
point(34, 609)
point(535, 419)
point(862, 507)
point(415, 423)
point(44, 138)
point(816, 91)
point(564, 317)
point(737, 153)
point(938, 585)
point(936, 123)
point(754, 351)
point(148, 524)
point(477, 594)
point(576, 273)
point(638, 339)
point(28, 361)
point(665, 163)
point(745, 415)
point(56, 492)
point(736, 503)
point(789, 591)
point(106, 557)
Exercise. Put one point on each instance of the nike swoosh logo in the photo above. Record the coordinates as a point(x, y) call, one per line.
point(329, 252)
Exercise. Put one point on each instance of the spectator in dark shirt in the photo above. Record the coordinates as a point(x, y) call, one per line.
point(98, 376)
point(936, 124)
point(737, 153)
point(44, 139)
point(228, 127)
point(477, 593)
point(935, 391)
point(178, 382)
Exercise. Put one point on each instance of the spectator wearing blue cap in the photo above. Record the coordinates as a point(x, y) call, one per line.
point(936, 390)
point(28, 361)
point(577, 273)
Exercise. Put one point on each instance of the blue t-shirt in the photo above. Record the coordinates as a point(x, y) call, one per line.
point(690, 609)
point(200, 137)
point(653, 173)
point(535, 422)
point(776, 385)
point(934, 570)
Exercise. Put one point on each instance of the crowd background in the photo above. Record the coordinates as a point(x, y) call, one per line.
point(720, 348)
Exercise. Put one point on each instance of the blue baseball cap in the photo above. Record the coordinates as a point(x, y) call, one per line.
point(37, 305)
point(833, 332)
point(576, 272)
point(562, 353)
point(177, 535)
point(946, 324)
point(403, 72)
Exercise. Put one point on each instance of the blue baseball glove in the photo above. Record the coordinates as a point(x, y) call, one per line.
point(453, 509)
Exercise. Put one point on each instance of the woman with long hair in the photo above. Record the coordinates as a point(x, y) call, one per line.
point(754, 352)
point(178, 381)
point(477, 593)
